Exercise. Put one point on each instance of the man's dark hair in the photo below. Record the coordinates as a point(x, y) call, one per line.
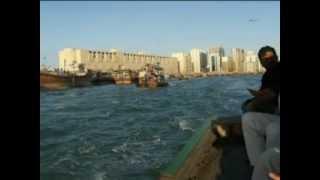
point(265, 49)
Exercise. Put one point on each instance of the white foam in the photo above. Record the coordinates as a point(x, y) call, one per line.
point(86, 148)
point(121, 148)
point(157, 140)
point(99, 176)
point(115, 102)
point(184, 125)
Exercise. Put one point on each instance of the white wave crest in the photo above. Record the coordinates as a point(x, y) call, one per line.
point(99, 176)
point(184, 125)
point(121, 148)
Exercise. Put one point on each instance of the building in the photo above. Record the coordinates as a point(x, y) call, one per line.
point(238, 56)
point(231, 64)
point(185, 64)
point(71, 58)
point(214, 61)
point(217, 50)
point(226, 64)
point(215, 58)
point(199, 60)
point(251, 62)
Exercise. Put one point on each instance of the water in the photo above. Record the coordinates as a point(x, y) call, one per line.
point(127, 133)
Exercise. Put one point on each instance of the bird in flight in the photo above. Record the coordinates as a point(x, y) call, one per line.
point(253, 20)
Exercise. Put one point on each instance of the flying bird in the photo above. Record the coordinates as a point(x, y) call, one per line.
point(253, 20)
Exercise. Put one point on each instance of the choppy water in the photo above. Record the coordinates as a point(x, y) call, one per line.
point(127, 133)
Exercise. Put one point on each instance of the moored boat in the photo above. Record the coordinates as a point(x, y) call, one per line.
point(124, 76)
point(101, 78)
point(215, 152)
point(59, 81)
point(152, 76)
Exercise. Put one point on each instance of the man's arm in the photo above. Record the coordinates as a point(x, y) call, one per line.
point(264, 94)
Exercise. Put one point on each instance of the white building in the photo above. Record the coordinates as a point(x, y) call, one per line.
point(238, 56)
point(214, 61)
point(226, 62)
point(199, 60)
point(251, 62)
point(185, 64)
point(219, 50)
point(70, 59)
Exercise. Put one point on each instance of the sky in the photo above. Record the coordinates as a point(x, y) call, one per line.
point(156, 27)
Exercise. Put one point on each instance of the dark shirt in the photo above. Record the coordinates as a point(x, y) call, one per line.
point(271, 80)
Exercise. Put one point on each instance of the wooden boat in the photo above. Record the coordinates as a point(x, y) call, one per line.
point(55, 81)
point(215, 152)
point(152, 83)
point(101, 78)
point(152, 76)
point(124, 76)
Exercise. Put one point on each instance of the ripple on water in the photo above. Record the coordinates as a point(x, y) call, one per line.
point(124, 132)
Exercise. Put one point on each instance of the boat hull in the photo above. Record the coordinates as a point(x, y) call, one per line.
point(50, 81)
point(123, 81)
point(152, 83)
point(216, 151)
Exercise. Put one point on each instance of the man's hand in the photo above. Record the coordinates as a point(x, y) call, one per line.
point(274, 176)
point(253, 92)
point(264, 94)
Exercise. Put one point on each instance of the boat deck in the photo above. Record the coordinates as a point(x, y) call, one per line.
point(212, 154)
point(234, 163)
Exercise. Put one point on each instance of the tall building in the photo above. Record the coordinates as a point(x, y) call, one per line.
point(238, 56)
point(226, 62)
point(185, 64)
point(71, 58)
point(218, 50)
point(214, 61)
point(199, 60)
point(231, 64)
point(251, 62)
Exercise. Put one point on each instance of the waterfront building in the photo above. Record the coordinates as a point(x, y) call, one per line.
point(71, 58)
point(185, 64)
point(238, 56)
point(214, 61)
point(218, 50)
point(225, 63)
point(199, 60)
point(251, 62)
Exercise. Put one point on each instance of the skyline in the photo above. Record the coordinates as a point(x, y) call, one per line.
point(160, 28)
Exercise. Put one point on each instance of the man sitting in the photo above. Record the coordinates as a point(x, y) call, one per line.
point(262, 139)
point(265, 99)
point(261, 131)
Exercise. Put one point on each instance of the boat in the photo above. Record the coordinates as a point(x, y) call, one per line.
point(215, 152)
point(101, 78)
point(59, 81)
point(124, 76)
point(152, 76)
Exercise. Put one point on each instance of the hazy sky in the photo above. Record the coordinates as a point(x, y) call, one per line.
point(159, 28)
